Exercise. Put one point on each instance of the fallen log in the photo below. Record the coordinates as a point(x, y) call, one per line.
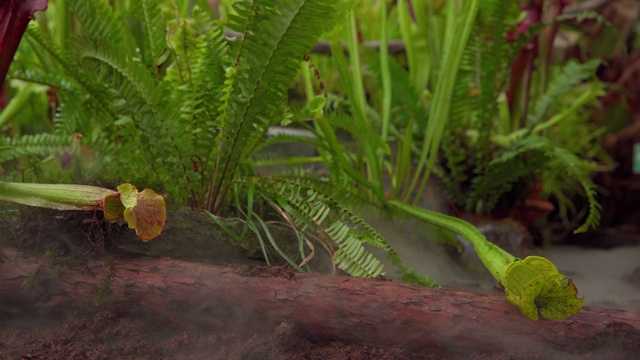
point(319, 306)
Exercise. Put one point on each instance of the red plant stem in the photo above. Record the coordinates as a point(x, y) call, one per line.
point(522, 67)
point(14, 18)
point(552, 10)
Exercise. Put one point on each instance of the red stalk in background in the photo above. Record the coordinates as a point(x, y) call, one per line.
point(14, 18)
point(540, 47)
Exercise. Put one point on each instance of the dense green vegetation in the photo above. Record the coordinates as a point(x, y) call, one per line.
point(163, 95)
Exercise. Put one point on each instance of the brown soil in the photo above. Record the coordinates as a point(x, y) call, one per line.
point(106, 334)
point(113, 332)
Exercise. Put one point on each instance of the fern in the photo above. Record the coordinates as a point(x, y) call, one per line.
point(39, 144)
point(495, 19)
point(155, 38)
point(482, 76)
point(99, 22)
point(479, 170)
point(572, 74)
point(407, 105)
point(567, 163)
point(272, 46)
point(340, 120)
point(192, 110)
point(317, 212)
point(290, 138)
point(197, 78)
point(52, 56)
point(161, 141)
point(534, 152)
point(513, 165)
point(54, 80)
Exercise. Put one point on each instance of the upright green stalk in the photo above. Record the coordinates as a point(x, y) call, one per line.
point(386, 75)
point(415, 34)
point(458, 29)
point(351, 77)
point(386, 78)
point(373, 167)
point(63, 24)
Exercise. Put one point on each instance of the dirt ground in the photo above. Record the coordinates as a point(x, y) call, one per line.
point(112, 332)
point(107, 334)
point(104, 332)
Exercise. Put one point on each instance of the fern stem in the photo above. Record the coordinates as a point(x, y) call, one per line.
point(308, 85)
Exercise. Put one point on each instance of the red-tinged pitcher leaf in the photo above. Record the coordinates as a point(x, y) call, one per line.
point(113, 208)
point(148, 215)
point(128, 195)
point(14, 18)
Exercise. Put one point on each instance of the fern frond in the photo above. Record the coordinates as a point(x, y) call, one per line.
point(39, 145)
point(57, 57)
point(155, 37)
point(496, 18)
point(501, 174)
point(137, 94)
point(290, 138)
point(572, 74)
point(275, 38)
point(573, 166)
point(315, 211)
point(345, 193)
point(73, 116)
point(99, 22)
point(340, 120)
point(351, 256)
point(200, 96)
point(55, 80)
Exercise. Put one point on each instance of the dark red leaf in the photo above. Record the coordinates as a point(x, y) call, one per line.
point(14, 18)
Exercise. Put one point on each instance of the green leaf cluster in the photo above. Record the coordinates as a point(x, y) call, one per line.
point(490, 159)
point(333, 223)
point(169, 96)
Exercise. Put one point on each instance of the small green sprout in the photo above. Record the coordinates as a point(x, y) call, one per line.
point(534, 284)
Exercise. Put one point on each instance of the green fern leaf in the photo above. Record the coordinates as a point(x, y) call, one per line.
point(99, 22)
point(39, 145)
point(317, 212)
point(155, 37)
point(52, 56)
point(577, 169)
point(572, 74)
point(499, 175)
point(275, 38)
